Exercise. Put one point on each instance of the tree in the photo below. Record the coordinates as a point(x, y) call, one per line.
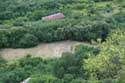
point(45, 79)
point(110, 61)
point(28, 40)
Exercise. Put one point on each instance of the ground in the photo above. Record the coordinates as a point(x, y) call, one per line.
point(44, 50)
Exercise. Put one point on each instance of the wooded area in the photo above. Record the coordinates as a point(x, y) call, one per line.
point(100, 22)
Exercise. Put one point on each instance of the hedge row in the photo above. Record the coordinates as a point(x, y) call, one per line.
point(27, 37)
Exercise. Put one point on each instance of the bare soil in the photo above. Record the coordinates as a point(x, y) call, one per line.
point(44, 50)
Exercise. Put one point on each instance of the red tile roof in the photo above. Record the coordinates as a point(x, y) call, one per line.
point(53, 17)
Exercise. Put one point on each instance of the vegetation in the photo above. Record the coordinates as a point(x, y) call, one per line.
point(102, 21)
point(45, 71)
point(21, 24)
point(109, 63)
point(86, 65)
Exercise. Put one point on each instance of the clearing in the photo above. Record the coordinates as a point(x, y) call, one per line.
point(44, 50)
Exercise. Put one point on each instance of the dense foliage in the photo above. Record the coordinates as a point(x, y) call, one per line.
point(87, 65)
point(21, 24)
point(109, 64)
point(63, 70)
point(22, 37)
point(102, 21)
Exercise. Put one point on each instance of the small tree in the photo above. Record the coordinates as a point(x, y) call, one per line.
point(28, 40)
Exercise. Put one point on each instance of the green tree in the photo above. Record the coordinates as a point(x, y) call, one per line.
point(110, 61)
point(45, 79)
point(28, 40)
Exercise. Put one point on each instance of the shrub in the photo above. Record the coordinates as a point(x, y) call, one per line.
point(102, 0)
point(2, 61)
point(86, 31)
point(108, 64)
point(20, 21)
point(37, 32)
point(45, 79)
point(37, 14)
point(28, 40)
point(3, 39)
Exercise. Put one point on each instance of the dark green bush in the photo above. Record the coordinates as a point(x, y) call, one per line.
point(86, 32)
point(69, 65)
point(102, 0)
point(20, 21)
point(37, 14)
point(120, 17)
point(28, 40)
point(45, 79)
point(78, 80)
point(14, 35)
point(19, 70)
point(2, 61)
point(52, 31)
point(3, 39)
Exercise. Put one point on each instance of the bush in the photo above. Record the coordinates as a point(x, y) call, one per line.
point(78, 80)
point(28, 40)
point(45, 79)
point(37, 14)
point(3, 39)
point(86, 31)
point(108, 64)
point(69, 66)
point(102, 0)
point(2, 61)
point(20, 21)
point(52, 31)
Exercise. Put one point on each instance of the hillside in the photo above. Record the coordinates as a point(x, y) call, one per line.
point(22, 27)
point(87, 45)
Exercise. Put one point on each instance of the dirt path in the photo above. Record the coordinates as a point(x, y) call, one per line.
point(47, 50)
